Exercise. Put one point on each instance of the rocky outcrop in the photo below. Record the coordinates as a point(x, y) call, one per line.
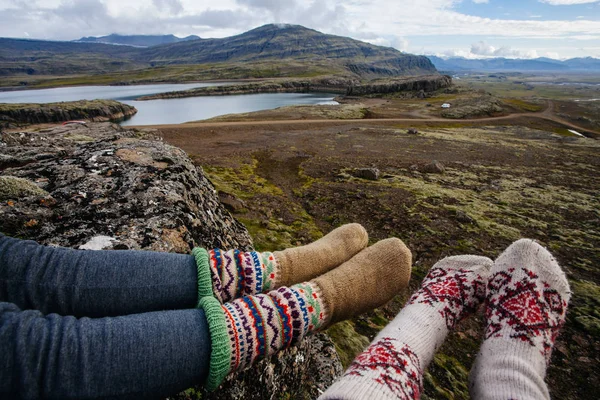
point(484, 106)
point(95, 110)
point(332, 85)
point(346, 86)
point(427, 83)
point(102, 186)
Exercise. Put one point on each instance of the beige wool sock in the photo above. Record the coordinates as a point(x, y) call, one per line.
point(234, 273)
point(527, 301)
point(368, 280)
point(252, 327)
point(303, 263)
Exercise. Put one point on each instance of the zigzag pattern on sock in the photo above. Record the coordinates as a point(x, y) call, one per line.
point(236, 273)
point(260, 325)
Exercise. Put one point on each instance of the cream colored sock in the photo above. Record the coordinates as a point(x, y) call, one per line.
point(392, 366)
point(527, 301)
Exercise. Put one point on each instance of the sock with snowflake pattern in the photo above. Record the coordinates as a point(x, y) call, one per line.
point(392, 366)
point(527, 301)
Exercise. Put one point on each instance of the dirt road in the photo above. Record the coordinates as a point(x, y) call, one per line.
point(547, 114)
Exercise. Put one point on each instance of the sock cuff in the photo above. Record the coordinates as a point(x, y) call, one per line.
point(205, 288)
point(220, 353)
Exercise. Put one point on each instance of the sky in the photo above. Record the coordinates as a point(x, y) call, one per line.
point(468, 28)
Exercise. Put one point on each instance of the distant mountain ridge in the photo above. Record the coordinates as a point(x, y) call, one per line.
point(279, 43)
point(457, 64)
point(136, 40)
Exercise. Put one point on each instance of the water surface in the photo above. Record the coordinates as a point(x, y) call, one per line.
point(169, 111)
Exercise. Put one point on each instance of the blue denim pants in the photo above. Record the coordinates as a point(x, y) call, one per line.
point(98, 324)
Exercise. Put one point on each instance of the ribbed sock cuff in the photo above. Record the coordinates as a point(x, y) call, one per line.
point(205, 288)
point(220, 355)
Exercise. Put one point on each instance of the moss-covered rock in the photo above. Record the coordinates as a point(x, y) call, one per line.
point(13, 188)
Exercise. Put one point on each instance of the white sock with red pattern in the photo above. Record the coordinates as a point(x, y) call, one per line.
point(392, 366)
point(527, 301)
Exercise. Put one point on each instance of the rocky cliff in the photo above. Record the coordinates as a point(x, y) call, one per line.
point(429, 83)
point(346, 86)
point(106, 187)
point(94, 110)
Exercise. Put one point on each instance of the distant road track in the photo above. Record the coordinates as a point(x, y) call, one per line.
point(547, 114)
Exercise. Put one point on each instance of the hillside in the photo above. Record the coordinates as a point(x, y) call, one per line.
point(587, 64)
point(279, 45)
point(136, 40)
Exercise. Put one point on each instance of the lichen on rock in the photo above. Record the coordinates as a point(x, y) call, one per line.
point(126, 189)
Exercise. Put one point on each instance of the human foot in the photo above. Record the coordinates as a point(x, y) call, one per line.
point(392, 366)
point(251, 327)
point(234, 273)
point(527, 301)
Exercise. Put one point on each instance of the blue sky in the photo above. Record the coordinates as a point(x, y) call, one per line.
point(529, 9)
point(467, 28)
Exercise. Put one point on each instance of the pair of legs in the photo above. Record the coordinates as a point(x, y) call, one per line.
point(77, 324)
point(526, 296)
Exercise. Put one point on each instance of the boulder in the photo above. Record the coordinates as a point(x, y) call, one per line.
point(104, 187)
point(371, 174)
point(435, 167)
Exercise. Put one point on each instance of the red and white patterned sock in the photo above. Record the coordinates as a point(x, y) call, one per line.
point(527, 300)
point(392, 366)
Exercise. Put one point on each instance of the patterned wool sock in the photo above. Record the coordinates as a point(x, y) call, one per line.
point(527, 301)
point(392, 366)
point(233, 274)
point(252, 327)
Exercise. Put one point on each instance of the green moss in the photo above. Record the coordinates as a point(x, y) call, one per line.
point(348, 343)
point(448, 381)
point(13, 188)
point(585, 306)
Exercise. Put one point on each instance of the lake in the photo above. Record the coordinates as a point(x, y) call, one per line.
point(169, 111)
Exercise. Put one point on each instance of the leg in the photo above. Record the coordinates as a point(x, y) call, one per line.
point(111, 283)
point(392, 366)
point(94, 283)
point(527, 301)
point(149, 355)
point(253, 327)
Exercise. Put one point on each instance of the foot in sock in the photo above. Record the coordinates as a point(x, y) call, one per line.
point(233, 274)
point(527, 300)
point(392, 366)
point(251, 327)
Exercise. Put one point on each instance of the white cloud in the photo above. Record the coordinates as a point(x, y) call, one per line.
point(397, 23)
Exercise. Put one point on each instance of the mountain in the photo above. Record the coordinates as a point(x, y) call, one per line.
point(137, 40)
point(277, 46)
point(458, 64)
point(281, 42)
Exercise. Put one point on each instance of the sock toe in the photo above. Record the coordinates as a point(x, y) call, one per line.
point(527, 253)
point(300, 264)
point(368, 280)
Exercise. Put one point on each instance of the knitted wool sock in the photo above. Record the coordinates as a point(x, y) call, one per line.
point(252, 327)
point(527, 302)
point(392, 366)
point(234, 273)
